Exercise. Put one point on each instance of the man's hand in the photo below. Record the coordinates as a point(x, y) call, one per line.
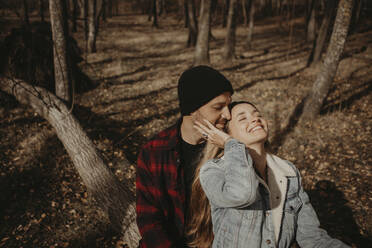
point(213, 134)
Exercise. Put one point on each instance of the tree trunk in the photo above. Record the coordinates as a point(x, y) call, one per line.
point(229, 47)
point(322, 35)
point(154, 14)
point(328, 70)
point(42, 7)
point(26, 18)
point(204, 28)
point(161, 7)
point(193, 23)
point(225, 12)
point(104, 10)
point(81, 4)
point(112, 195)
point(116, 7)
point(251, 7)
point(109, 8)
point(74, 15)
point(186, 12)
point(62, 75)
point(86, 25)
point(92, 32)
point(311, 22)
point(244, 9)
point(356, 14)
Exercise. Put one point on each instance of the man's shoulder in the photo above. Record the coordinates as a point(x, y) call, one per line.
point(165, 139)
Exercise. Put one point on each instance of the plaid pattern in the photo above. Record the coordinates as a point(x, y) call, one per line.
point(160, 192)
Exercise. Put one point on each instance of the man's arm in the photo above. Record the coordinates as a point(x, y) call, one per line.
point(150, 218)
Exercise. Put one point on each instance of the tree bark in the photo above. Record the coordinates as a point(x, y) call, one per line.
point(74, 15)
point(328, 70)
point(109, 8)
point(251, 7)
point(193, 23)
point(154, 14)
point(104, 10)
point(112, 195)
point(322, 35)
point(311, 24)
point(161, 7)
point(229, 47)
point(92, 25)
point(62, 75)
point(225, 12)
point(42, 7)
point(86, 26)
point(204, 28)
point(245, 15)
point(186, 12)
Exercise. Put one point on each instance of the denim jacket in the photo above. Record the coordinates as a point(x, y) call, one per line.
point(246, 212)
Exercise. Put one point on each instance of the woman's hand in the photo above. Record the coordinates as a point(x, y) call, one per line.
point(213, 134)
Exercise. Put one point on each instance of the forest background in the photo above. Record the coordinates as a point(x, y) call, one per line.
point(85, 83)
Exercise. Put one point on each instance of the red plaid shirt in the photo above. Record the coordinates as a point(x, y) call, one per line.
point(160, 192)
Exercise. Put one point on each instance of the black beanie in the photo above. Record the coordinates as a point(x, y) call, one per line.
point(199, 85)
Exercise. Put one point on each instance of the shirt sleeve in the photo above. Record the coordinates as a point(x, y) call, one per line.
point(234, 184)
point(309, 234)
point(150, 218)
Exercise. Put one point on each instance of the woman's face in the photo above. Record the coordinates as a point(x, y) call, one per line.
point(247, 125)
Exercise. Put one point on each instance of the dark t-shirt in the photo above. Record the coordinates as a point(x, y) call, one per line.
point(190, 156)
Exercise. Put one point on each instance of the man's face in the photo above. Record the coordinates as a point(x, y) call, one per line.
point(216, 111)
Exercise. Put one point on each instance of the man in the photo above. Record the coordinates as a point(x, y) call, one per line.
point(166, 164)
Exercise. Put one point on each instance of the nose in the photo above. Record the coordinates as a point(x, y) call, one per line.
point(226, 113)
point(256, 119)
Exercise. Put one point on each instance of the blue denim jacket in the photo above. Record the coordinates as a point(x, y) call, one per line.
point(246, 212)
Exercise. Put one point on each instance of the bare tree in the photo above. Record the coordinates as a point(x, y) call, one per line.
point(204, 31)
point(185, 12)
point(226, 5)
point(251, 7)
point(95, 8)
point(104, 10)
point(310, 21)
point(324, 80)
point(92, 31)
point(111, 195)
point(75, 9)
point(62, 73)
point(244, 9)
point(154, 14)
point(323, 31)
point(229, 47)
point(193, 23)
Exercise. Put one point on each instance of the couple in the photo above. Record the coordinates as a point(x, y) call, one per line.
point(208, 181)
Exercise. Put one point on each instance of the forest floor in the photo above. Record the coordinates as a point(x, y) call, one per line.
point(136, 68)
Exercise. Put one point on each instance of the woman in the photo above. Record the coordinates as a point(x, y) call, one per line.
point(255, 198)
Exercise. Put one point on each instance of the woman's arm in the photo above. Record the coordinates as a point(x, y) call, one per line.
point(309, 234)
point(233, 184)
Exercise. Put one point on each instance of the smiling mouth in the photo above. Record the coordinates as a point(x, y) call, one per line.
point(256, 128)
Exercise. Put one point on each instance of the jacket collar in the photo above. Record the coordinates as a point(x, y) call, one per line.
point(279, 166)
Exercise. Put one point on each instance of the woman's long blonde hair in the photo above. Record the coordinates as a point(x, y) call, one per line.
point(199, 229)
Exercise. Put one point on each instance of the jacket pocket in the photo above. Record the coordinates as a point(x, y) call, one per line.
point(293, 205)
point(289, 226)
